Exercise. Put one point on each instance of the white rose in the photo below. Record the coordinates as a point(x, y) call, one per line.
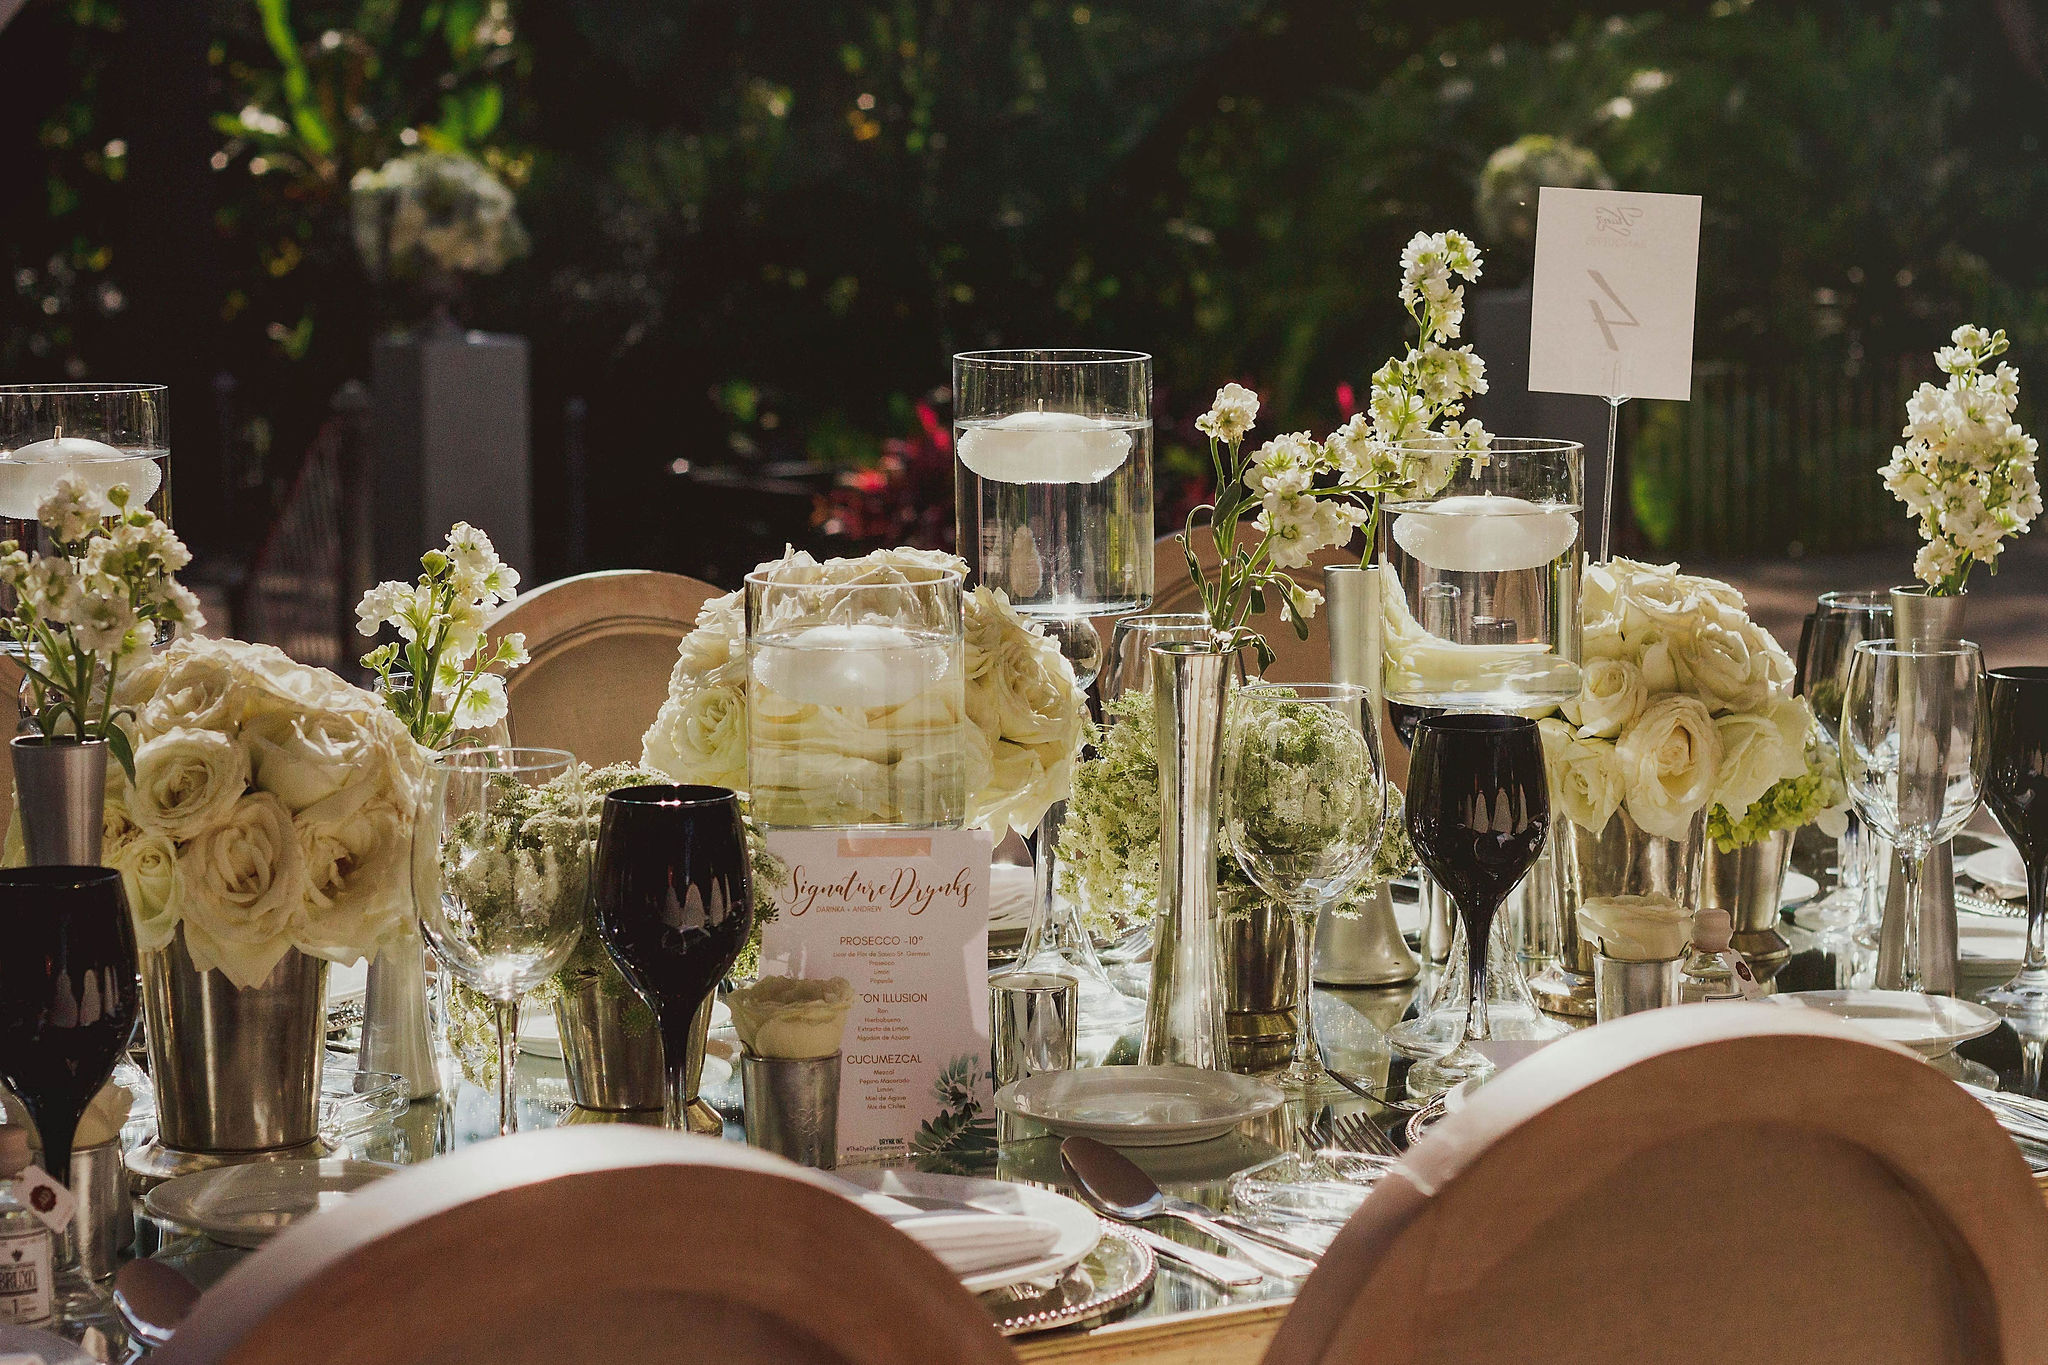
point(305, 758)
point(1585, 783)
point(194, 690)
point(1019, 686)
point(245, 881)
point(358, 880)
point(1656, 605)
point(186, 781)
point(1726, 667)
point(1669, 761)
point(1759, 750)
point(1611, 694)
point(148, 864)
point(700, 736)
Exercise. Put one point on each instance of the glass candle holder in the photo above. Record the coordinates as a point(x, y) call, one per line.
point(1053, 477)
point(1488, 553)
point(856, 701)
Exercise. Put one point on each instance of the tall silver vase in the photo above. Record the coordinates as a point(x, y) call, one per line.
point(1922, 619)
point(397, 1034)
point(1750, 884)
point(60, 796)
point(1367, 949)
point(236, 1071)
point(1184, 1014)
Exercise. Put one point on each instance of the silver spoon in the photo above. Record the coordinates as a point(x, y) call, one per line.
point(1115, 1185)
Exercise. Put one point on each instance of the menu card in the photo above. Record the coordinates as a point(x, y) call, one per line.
point(1611, 302)
point(903, 916)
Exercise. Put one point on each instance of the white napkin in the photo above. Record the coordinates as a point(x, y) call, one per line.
point(1998, 869)
point(966, 1241)
point(1010, 893)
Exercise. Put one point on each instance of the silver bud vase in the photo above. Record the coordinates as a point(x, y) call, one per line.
point(1184, 1014)
point(1922, 618)
point(60, 793)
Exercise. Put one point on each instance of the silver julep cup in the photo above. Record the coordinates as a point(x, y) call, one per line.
point(1624, 987)
point(792, 1107)
point(1033, 1019)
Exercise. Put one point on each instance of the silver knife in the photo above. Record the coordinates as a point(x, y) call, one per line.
point(1207, 1264)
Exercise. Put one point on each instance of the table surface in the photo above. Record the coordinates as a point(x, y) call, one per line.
point(1181, 1316)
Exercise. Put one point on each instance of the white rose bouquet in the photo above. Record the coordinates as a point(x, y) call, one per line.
point(1685, 705)
point(435, 213)
point(436, 678)
point(271, 808)
point(1026, 717)
point(1310, 495)
point(1966, 469)
point(91, 609)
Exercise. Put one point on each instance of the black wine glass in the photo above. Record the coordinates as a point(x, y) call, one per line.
point(2015, 711)
point(674, 899)
point(1478, 811)
point(70, 992)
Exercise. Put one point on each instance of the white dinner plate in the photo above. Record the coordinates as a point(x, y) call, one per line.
point(1079, 1229)
point(1932, 1025)
point(1139, 1106)
point(1798, 888)
point(245, 1206)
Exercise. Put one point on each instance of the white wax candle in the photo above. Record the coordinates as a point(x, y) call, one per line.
point(29, 476)
point(1045, 447)
point(1486, 534)
point(850, 666)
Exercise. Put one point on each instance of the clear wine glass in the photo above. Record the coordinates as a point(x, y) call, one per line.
point(1304, 802)
point(1129, 665)
point(1840, 622)
point(1478, 814)
point(512, 873)
point(2016, 789)
point(1911, 753)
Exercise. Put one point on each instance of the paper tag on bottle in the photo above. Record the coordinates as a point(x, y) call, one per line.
point(1739, 973)
point(45, 1198)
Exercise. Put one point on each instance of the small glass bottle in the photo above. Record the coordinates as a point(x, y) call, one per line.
point(26, 1244)
point(1707, 975)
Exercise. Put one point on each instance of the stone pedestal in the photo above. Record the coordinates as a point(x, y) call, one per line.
point(449, 427)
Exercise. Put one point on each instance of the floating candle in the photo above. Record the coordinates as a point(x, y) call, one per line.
point(29, 475)
point(1486, 534)
point(1046, 447)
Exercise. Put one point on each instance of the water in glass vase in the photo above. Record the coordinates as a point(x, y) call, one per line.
point(1055, 509)
point(1488, 612)
point(854, 725)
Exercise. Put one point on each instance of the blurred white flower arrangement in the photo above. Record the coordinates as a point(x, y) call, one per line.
point(1309, 495)
point(436, 677)
point(91, 608)
point(436, 214)
point(1966, 469)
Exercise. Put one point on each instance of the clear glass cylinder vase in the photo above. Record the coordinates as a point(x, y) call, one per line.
point(856, 700)
point(1184, 1023)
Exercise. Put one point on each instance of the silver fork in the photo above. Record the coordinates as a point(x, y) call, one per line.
point(1357, 1133)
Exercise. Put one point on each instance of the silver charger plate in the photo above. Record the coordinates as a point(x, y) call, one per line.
point(1139, 1106)
point(1115, 1273)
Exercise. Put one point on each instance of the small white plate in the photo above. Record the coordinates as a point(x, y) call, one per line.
point(1798, 888)
point(1139, 1106)
point(1932, 1025)
point(1079, 1229)
point(245, 1206)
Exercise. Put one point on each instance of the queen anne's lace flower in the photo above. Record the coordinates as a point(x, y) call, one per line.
point(1965, 469)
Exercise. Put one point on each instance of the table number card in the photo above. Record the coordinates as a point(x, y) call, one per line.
point(903, 916)
point(1611, 305)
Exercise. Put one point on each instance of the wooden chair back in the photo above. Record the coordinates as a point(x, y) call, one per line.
point(1704, 1183)
point(590, 1246)
point(603, 645)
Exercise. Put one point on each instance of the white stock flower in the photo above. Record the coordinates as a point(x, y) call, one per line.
point(385, 605)
point(1669, 761)
point(1231, 415)
point(483, 704)
point(186, 781)
point(72, 511)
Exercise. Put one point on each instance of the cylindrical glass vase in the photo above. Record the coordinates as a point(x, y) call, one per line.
point(1487, 550)
point(1053, 482)
point(856, 701)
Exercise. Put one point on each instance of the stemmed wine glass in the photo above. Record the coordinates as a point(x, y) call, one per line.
point(1911, 754)
point(672, 889)
point(1841, 621)
point(2016, 789)
point(1303, 805)
point(1478, 812)
point(512, 873)
point(70, 992)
